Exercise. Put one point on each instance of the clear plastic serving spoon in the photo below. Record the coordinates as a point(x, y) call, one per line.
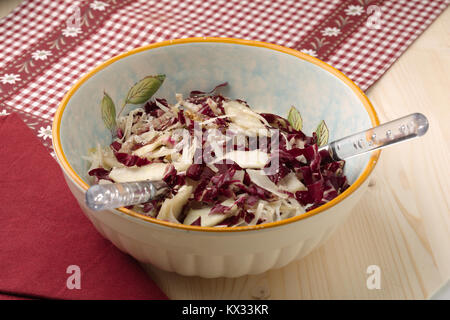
point(115, 195)
point(382, 136)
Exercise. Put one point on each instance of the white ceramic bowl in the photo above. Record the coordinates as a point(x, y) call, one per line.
point(271, 78)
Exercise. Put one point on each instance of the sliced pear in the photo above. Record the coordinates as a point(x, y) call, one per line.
point(250, 132)
point(161, 152)
point(183, 162)
point(152, 171)
point(146, 137)
point(206, 219)
point(242, 116)
point(110, 161)
point(171, 208)
point(291, 183)
point(255, 159)
point(181, 166)
point(150, 147)
point(259, 178)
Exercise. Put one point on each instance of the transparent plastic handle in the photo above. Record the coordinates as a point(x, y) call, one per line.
point(402, 129)
point(115, 195)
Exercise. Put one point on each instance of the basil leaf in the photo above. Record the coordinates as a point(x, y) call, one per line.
point(322, 133)
point(144, 89)
point(108, 110)
point(295, 119)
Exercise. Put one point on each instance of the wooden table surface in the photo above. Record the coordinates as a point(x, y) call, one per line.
point(403, 223)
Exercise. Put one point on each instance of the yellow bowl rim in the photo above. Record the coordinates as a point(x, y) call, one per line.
point(84, 186)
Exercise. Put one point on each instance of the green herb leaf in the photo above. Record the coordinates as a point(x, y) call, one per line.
point(144, 89)
point(322, 133)
point(295, 119)
point(108, 112)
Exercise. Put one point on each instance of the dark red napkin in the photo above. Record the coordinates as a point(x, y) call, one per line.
point(43, 231)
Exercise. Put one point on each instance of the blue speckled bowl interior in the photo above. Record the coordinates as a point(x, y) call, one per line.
point(269, 80)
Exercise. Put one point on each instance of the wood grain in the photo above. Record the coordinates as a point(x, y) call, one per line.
point(403, 223)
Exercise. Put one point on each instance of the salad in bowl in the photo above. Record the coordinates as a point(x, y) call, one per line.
point(248, 189)
point(225, 164)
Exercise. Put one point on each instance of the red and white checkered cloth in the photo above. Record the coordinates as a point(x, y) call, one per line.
point(42, 54)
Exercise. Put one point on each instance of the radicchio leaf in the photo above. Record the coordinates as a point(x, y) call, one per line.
point(197, 93)
point(130, 160)
point(219, 209)
point(249, 217)
point(172, 178)
point(119, 133)
point(116, 146)
point(277, 122)
point(194, 171)
point(197, 222)
point(100, 173)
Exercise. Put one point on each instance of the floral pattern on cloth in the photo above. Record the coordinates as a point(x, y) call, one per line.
point(45, 133)
point(10, 78)
point(87, 17)
point(41, 54)
point(333, 30)
point(84, 21)
point(98, 5)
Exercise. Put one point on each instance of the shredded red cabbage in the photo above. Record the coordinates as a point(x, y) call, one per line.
point(130, 160)
point(197, 93)
point(297, 156)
